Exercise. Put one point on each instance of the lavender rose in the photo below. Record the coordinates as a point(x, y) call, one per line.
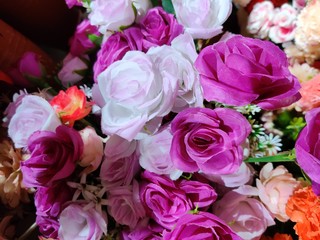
point(308, 148)
point(53, 156)
point(242, 70)
point(159, 28)
point(200, 226)
point(208, 140)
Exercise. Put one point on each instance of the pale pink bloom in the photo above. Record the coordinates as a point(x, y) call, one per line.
point(260, 19)
point(111, 15)
point(304, 72)
point(275, 187)
point(299, 4)
point(284, 22)
point(72, 70)
point(92, 150)
point(202, 18)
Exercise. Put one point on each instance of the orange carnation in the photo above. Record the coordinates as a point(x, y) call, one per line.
point(303, 207)
point(71, 105)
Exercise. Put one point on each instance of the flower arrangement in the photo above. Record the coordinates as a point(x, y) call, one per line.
point(159, 123)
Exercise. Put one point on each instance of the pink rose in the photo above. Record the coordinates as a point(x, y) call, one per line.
point(33, 114)
point(73, 70)
point(284, 24)
point(12, 107)
point(199, 226)
point(260, 19)
point(208, 140)
point(80, 43)
point(72, 3)
point(120, 164)
point(202, 19)
point(275, 188)
point(81, 224)
point(111, 15)
point(248, 216)
point(92, 150)
point(299, 4)
point(48, 227)
point(124, 205)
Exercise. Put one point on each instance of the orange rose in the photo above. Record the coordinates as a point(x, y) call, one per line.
point(303, 207)
point(71, 105)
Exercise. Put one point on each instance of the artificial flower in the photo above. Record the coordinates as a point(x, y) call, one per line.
point(71, 105)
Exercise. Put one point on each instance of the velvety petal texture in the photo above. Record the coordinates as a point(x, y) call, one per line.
point(208, 140)
point(242, 71)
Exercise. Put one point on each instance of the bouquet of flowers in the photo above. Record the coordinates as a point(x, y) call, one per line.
point(168, 120)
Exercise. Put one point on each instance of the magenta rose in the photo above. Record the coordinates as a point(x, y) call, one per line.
point(54, 156)
point(242, 71)
point(163, 200)
point(116, 47)
point(200, 226)
point(80, 42)
point(308, 148)
point(159, 28)
point(208, 140)
point(48, 227)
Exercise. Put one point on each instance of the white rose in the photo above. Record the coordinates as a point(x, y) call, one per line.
point(202, 18)
point(260, 19)
point(111, 14)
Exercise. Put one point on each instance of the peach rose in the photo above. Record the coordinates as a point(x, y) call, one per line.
point(275, 187)
point(303, 207)
point(310, 92)
point(307, 35)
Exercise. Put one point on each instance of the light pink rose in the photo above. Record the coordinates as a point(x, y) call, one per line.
point(72, 68)
point(260, 19)
point(202, 18)
point(92, 150)
point(275, 187)
point(155, 154)
point(81, 224)
point(33, 114)
point(248, 215)
point(299, 4)
point(284, 22)
point(120, 164)
point(124, 205)
point(12, 107)
point(151, 94)
point(111, 15)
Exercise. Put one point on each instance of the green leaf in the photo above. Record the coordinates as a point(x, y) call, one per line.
point(97, 40)
point(167, 6)
point(281, 157)
point(155, 3)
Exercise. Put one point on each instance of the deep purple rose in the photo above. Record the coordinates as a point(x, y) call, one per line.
point(200, 226)
point(53, 156)
point(159, 28)
point(308, 148)
point(163, 200)
point(49, 201)
point(48, 227)
point(116, 47)
point(242, 71)
point(208, 140)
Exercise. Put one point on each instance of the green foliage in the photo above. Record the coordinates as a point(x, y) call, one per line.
point(167, 6)
point(295, 126)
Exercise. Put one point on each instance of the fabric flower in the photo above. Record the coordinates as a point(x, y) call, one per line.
point(243, 71)
point(80, 43)
point(124, 205)
point(248, 216)
point(303, 208)
point(71, 105)
point(260, 19)
point(200, 226)
point(158, 28)
point(111, 15)
point(33, 114)
point(307, 148)
point(83, 224)
point(53, 156)
point(208, 140)
point(275, 186)
point(284, 24)
point(202, 19)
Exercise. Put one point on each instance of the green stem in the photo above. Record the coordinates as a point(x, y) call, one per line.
point(281, 157)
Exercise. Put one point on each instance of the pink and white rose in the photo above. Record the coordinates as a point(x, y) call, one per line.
point(260, 19)
point(111, 15)
point(299, 4)
point(275, 187)
point(202, 18)
point(284, 24)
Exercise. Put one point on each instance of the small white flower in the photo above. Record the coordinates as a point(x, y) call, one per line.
point(271, 143)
